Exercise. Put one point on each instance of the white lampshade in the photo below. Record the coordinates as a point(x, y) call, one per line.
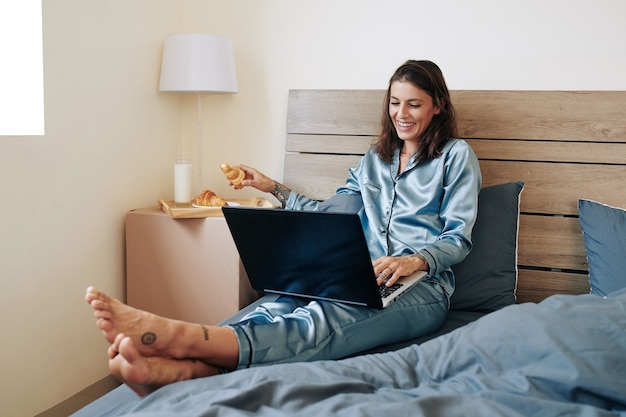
point(199, 63)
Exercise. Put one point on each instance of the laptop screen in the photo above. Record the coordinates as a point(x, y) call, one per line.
point(314, 254)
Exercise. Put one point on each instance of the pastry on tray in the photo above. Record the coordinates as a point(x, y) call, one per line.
point(209, 198)
point(234, 175)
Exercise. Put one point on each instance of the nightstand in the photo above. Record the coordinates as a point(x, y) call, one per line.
point(185, 269)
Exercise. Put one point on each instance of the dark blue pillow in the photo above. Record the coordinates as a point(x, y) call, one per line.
point(487, 277)
point(604, 233)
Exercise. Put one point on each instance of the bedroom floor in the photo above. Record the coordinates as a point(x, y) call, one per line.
point(79, 400)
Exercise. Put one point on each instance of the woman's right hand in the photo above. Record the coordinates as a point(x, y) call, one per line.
point(256, 179)
point(264, 183)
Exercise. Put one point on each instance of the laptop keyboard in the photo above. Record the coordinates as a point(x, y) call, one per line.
point(387, 291)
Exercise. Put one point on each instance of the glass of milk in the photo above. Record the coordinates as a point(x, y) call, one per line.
point(182, 182)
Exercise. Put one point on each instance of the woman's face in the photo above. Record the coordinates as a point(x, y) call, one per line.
point(411, 110)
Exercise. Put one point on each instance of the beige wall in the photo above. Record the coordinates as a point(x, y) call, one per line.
point(111, 137)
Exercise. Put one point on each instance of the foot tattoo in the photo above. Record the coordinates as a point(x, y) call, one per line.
point(148, 338)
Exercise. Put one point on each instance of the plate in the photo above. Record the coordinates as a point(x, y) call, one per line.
point(228, 203)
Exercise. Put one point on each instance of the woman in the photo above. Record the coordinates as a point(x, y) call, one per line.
point(416, 191)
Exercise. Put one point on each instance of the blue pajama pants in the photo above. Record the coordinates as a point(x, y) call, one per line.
point(296, 330)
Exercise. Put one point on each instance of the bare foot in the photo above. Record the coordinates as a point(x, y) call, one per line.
point(146, 374)
point(152, 334)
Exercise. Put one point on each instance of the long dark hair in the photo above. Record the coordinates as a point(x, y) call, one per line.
point(426, 76)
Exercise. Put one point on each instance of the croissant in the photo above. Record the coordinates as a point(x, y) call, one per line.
point(209, 198)
point(235, 175)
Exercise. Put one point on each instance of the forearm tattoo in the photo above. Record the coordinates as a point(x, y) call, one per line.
point(281, 192)
point(206, 332)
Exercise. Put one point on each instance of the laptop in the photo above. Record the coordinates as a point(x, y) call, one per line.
point(317, 255)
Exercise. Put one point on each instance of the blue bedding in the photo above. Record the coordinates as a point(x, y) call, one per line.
point(563, 356)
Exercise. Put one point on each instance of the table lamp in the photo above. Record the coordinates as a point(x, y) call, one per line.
point(198, 63)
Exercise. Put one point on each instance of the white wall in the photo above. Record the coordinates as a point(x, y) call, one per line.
point(356, 44)
point(111, 137)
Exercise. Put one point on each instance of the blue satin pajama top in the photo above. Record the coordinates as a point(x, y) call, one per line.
point(428, 209)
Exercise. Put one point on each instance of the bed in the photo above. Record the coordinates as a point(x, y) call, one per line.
point(537, 324)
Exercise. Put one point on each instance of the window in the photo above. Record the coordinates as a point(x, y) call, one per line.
point(21, 72)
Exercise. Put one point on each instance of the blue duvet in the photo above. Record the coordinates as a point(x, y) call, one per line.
point(564, 356)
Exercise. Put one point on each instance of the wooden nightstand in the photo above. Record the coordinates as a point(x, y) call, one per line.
point(185, 269)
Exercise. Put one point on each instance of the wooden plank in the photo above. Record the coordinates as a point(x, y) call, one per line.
point(555, 188)
point(544, 192)
point(532, 115)
point(507, 149)
point(535, 286)
point(317, 176)
point(551, 242)
point(542, 115)
point(349, 145)
point(335, 112)
point(583, 152)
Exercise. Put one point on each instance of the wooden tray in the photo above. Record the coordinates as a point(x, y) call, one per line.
point(191, 212)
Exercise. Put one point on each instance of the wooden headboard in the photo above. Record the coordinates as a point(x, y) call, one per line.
point(564, 145)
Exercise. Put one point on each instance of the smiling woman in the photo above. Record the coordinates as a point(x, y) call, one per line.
point(420, 118)
point(411, 110)
point(21, 74)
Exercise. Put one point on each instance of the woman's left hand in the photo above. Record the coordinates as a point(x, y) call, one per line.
point(389, 269)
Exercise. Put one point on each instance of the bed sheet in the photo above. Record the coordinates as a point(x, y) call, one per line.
point(563, 356)
point(121, 399)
